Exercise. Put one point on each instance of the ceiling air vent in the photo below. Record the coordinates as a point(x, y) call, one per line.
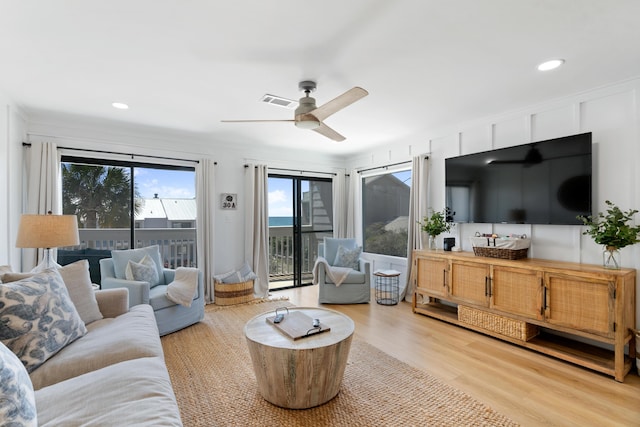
point(279, 101)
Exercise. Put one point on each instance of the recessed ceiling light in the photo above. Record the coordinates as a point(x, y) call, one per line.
point(550, 65)
point(120, 106)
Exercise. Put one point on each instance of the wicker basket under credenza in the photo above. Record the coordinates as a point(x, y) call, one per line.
point(562, 309)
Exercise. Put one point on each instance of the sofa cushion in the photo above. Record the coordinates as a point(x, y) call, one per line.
point(348, 257)
point(130, 393)
point(78, 282)
point(4, 269)
point(331, 246)
point(38, 318)
point(111, 340)
point(353, 278)
point(122, 257)
point(17, 400)
point(143, 271)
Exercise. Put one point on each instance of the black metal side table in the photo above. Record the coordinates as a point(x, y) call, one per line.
point(387, 287)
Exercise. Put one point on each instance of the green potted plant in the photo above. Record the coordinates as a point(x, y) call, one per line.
point(613, 231)
point(439, 222)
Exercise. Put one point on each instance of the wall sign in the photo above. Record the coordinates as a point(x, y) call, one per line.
point(229, 201)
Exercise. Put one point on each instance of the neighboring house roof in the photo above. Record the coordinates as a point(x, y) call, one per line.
point(401, 223)
point(151, 208)
point(171, 209)
point(180, 209)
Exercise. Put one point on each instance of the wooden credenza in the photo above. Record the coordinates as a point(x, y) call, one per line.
point(580, 313)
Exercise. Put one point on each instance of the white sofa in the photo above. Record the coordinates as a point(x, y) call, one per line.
point(113, 375)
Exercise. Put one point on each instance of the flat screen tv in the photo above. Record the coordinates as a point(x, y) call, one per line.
point(544, 182)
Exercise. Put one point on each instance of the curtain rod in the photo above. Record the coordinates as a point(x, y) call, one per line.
point(27, 144)
point(387, 166)
point(297, 170)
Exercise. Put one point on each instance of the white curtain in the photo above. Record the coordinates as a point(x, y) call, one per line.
point(206, 206)
point(257, 226)
point(418, 202)
point(354, 204)
point(339, 206)
point(44, 190)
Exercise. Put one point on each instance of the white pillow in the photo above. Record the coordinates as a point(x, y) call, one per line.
point(144, 271)
point(78, 282)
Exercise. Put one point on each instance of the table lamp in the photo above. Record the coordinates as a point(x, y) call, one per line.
point(47, 231)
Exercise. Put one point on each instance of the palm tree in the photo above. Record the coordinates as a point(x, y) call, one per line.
point(99, 195)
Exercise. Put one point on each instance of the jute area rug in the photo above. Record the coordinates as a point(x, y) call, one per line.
point(214, 383)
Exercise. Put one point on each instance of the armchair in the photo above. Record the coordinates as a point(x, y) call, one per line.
point(356, 286)
point(170, 316)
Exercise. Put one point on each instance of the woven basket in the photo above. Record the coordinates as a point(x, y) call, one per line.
point(499, 324)
point(233, 293)
point(500, 248)
point(491, 252)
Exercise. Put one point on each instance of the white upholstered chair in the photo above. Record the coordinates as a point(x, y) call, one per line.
point(356, 287)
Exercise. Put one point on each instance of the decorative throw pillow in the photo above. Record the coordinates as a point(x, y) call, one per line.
point(331, 245)
point(17, 401)
point(144, 271)
point(348, 257)
point(121, 259)
point(38, 318)
point(246, 273)
point(78, 282)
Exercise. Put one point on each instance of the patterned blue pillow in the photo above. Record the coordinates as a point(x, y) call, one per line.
point(348, 257)
point(122, 257)
point(144, 271)
point(38, 318)
point(17, 401)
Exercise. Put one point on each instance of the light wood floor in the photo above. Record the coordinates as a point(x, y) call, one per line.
point(530, 388)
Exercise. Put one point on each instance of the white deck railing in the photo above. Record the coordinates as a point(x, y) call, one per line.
point(178, 246)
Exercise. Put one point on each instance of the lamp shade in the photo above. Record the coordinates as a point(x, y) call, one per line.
point(47, 231)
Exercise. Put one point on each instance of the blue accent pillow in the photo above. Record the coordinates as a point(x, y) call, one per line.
point(331, 246)
point(144, 271)
point(38, 318)
point(18, 401)
point(122, 257)
point(348, 258)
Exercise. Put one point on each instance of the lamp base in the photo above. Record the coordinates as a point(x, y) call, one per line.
point(46, 263)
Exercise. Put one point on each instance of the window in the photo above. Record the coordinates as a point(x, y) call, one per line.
point(385, 213)
point(122, 205)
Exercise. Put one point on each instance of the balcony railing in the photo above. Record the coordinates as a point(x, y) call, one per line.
point(178, 246)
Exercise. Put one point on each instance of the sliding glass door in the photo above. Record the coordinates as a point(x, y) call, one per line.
point(300, 216)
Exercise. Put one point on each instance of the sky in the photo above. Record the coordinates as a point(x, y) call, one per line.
point(167, 184)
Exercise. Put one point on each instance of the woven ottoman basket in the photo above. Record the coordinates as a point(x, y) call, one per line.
point(233, 293)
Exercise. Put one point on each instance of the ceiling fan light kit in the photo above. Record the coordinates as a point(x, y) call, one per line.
point(308, 116)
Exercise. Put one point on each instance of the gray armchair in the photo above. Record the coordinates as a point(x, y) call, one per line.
point(356, 287)
point(170, 316)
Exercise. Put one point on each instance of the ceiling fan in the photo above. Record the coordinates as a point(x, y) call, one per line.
point(308, 116)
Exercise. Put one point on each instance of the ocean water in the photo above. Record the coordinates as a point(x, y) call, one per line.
point(280, 221)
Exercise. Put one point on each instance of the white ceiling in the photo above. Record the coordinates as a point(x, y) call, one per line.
point(185, 65)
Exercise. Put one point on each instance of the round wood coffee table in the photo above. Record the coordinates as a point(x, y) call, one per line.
point(300, 373)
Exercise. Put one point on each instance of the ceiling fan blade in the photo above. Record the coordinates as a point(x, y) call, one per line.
point(337, 104)
point(254, 121)
point(325, 130)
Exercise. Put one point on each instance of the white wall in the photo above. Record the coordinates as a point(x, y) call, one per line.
point(611, 113)
point(12, 133)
